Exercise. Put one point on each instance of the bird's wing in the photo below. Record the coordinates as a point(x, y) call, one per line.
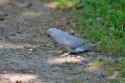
point(66, 39)
point(73, 42)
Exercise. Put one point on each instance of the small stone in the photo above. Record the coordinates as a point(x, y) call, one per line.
point(102, 75)
point(120, 58)
point(18, 53)
point(72, 32)
point(92, 53)
point(4, 72)
point(52, 46)
point(30, 50)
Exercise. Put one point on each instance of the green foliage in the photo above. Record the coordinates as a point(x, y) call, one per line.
point(96, 64)
point(119, 74)
point(62, 4)
point(102, 21)
point(121, 65)
point(115, 81)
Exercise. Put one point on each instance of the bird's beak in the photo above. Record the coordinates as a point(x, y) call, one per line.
point(47, 34)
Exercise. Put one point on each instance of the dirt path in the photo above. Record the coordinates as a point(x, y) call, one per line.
point(27, 56)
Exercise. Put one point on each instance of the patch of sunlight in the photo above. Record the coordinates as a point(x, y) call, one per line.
point(66, 4)
point(4, 2)
point(61, 4)
point(71, 3)
point(52, 5)
point(70, 59)
point(13, 46)
point(13, 77)
point(115, 75)
point(31, 13)
point(94, 66)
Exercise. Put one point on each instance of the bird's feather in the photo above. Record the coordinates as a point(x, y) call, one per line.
point(75, 44)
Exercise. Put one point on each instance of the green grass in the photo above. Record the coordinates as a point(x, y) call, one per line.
point(104, 24)
point(100, 21)
point(96, 64)
point(121, 66)
point(62, 4)
point(115, 81)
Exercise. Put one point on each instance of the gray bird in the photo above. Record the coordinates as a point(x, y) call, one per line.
point(73, 43)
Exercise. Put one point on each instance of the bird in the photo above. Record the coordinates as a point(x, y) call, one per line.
point(74, 44)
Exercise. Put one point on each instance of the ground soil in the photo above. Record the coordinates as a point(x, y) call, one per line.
point(27, 56)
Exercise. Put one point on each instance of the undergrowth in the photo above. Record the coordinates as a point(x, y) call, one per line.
point(101, 21)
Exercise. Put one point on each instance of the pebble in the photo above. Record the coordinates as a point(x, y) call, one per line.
point(30, 50)
point(4, 72)
point(18, 53)
point(72, 32)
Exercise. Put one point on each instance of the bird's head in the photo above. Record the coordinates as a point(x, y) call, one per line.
point(47, 33)
point(51, 32)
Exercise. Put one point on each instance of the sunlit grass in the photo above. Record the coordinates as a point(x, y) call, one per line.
point(65, 3)
point(96, 64)
point(121, 66)
point(62, 4)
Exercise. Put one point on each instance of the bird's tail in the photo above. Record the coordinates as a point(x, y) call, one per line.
point(83, 48)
